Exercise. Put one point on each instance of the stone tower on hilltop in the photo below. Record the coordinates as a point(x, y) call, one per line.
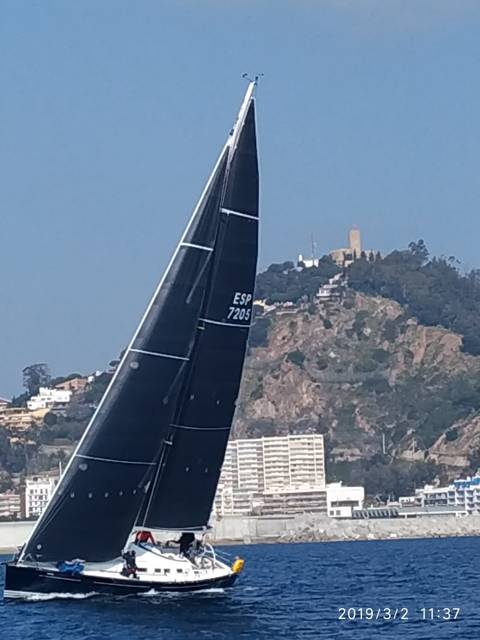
point(355, 241)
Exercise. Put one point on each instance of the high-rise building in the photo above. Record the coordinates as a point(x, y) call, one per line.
point(271, 474)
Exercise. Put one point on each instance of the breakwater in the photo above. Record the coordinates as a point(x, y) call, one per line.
point(308, 528)
point(300, 528)
point(14, 534)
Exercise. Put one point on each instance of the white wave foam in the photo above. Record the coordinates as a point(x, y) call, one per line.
point(172, 594)
point(42, 597)
point(149, 593)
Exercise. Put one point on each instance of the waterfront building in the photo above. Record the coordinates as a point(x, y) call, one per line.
point(272, 473)
point(38, 490)
point(341, 500)
point(396, 510)
point(47, 397)
point(10, 506)
point(291, 500)
point(462, 496)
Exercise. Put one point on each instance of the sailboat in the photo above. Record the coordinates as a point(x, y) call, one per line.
point(151, 456)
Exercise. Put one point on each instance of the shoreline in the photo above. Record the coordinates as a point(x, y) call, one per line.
point(6, 551)
point(244, 530)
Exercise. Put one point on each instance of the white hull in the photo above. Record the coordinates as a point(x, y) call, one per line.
point(158, 570)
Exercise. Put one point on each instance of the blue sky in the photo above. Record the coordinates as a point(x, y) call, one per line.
point(112, 113)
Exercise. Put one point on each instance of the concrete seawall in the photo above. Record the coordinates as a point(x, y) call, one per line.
point(14, 534)
point(300, 528)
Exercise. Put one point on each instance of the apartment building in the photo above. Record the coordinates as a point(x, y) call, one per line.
point(463, 493)
point(272, 475)
point(10, 505)
point(38, 490)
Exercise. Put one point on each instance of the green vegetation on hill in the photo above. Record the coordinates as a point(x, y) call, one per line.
point(355, 369)
point(432, 289)
point(285, 283)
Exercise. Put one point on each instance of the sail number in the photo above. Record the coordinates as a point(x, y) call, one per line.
point(240, 309)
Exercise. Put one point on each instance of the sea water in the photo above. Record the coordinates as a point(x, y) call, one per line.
point(418, 589)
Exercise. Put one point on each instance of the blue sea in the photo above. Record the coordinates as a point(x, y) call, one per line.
point(419, 589)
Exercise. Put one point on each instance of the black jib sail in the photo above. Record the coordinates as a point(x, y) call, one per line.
point(189, 464)
point(97, 500)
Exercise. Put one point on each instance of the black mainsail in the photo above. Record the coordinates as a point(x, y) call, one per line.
point(153, 449)
point(191, 460)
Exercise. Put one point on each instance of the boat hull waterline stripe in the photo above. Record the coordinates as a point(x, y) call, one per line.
point(231, 212)
point(226, 324)
point(96, 459)
point(160, 355)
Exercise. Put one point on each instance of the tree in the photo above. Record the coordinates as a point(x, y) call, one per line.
point(36, 376)
point(419, 252)
point(432, 289)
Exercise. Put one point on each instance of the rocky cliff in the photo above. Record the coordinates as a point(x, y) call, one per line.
point(360, 369)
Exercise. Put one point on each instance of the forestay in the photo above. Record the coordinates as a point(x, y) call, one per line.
point(100, 494)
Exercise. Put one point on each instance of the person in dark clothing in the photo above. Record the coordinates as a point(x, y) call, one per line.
point(130, 568)
point(186, 541)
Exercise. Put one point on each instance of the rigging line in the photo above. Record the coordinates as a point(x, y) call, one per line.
point(153, 487)
point(115, 460)
point(236, 132)
point(160, 355)
point(194, 286)
point(231, 212)
point(44, 517)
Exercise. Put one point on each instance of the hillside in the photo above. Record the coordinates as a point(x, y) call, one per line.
point(388, 372)
point(359, 368)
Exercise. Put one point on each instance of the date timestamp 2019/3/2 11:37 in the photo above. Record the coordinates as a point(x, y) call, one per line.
point(398, 613)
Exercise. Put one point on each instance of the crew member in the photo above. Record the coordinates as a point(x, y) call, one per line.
point(144, 536)
point(186, 541)
point(130, 567)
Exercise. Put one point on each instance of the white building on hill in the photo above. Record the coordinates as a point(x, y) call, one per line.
point(48, 398)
